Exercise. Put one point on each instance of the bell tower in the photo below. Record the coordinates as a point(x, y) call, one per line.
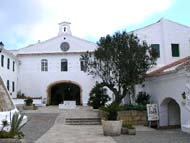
point(64, 28)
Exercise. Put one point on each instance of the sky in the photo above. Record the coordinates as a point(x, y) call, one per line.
point(24, 22)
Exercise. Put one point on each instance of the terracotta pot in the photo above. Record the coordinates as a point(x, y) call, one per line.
point(112, 128)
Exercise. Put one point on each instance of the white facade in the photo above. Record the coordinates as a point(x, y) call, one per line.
point(166, 32)
point(9, 75)
point(166, 89)
point(34, 82)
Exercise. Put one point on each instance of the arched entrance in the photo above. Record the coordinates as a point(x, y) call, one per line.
point(64, 91)
point(170, 113)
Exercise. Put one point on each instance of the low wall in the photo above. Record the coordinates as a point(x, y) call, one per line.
point(37, 102)
point(133, 117)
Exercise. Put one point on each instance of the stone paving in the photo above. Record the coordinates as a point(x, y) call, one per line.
point(51, 119)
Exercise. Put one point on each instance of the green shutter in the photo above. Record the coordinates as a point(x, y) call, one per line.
point(156, 48)
point(175, 50)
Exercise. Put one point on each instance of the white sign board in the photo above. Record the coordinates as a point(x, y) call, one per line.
point(152, 112)
point(68, 105)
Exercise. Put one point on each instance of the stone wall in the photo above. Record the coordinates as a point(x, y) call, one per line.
point(133, 117)
point(6, 103)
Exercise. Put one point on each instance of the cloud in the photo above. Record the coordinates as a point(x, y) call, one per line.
point(37, 19)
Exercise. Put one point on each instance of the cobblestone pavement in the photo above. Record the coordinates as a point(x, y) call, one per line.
point(39, 124)
point(156, 136)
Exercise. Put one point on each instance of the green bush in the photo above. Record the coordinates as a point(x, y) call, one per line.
point(143, 98)
point(111, 111)
point(133, 107)
point(28, 101)
point(128, 126)
point(97, 97)
point(17, 125)
point(5, 134)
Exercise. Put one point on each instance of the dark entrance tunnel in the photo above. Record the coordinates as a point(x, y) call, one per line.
point(65, 92)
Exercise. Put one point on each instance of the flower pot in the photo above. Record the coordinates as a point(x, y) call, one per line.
point(112, 128)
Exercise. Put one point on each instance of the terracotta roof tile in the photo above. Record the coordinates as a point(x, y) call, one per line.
point(173, 64)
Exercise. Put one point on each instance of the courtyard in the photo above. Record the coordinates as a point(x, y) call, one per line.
point(46, 125)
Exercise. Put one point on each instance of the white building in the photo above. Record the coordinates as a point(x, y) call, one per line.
point(9, 70)
point(169, 80)
point(53, 69)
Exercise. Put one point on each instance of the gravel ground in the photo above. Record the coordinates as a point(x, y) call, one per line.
point(38, 125)
point(157, 136)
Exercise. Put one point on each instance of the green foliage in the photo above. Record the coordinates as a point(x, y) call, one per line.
point(20, 95)
point(97, 97)
point(121, 62)
point(17, 125)
point(111, 111)
point(128, 126)
point(28, 101)
point(133, 107)
point(5, 134)
point(4, 123)
point(143, 98)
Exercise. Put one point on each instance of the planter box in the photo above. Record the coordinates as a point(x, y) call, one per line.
point(112, 128)
point(10, 141)
point(124, 131)
point(131, 131)
point(127, 131)
point(32, 107)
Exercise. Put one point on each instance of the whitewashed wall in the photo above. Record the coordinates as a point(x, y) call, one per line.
point(169, 86)
point(33, 82)
point(9, 74)
point(165, 33)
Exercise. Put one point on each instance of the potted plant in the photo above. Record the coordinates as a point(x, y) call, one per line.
point(128, 129)
point(111, 126)
point(29, 104)
point(13, 133)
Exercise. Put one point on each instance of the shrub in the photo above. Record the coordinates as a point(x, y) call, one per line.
point(20, 95)
point(4, 124)
point(111, 111)
point(128, 126)
point(5, 134)
point(16, 125)
point(28, 101)
point(143, 98)
point(97, 97)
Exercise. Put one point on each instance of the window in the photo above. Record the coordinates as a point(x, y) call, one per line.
point(175, 50)
point(13, 66)
point(64, 29)
point(8, 63)
point(13, 86)
point(8, 85)
point(83, 65)
point(64, 65)
point(44, 65)
point(156, 49)
point(2, 60)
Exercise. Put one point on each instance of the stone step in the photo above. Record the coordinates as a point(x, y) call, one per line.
point(82, 121)
point(186, 128)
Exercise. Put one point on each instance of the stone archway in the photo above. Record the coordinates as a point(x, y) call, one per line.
point(61, 91)
point(170, 113)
